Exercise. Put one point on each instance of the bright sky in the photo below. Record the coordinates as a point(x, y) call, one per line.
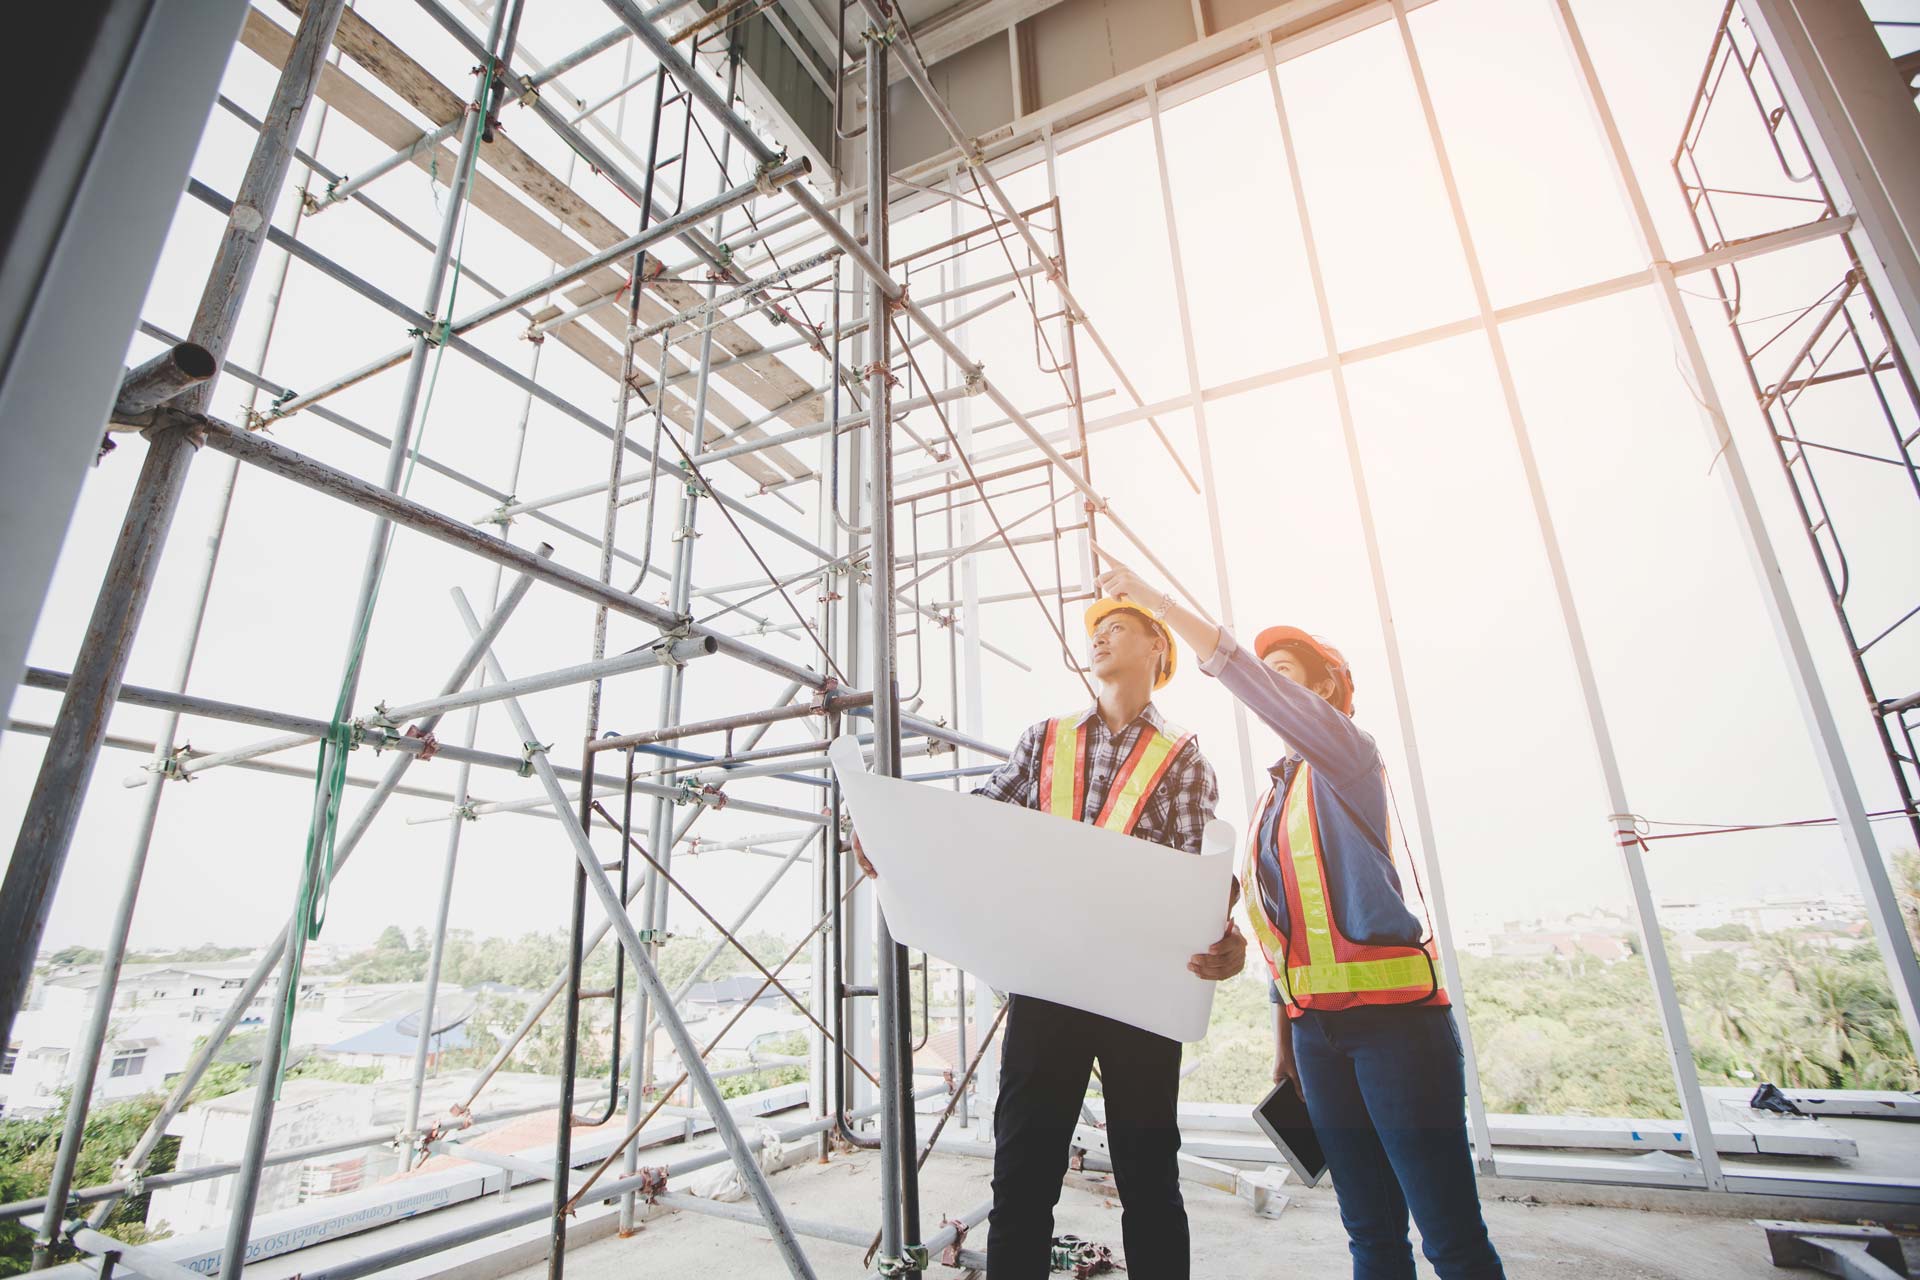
point(1701, 711)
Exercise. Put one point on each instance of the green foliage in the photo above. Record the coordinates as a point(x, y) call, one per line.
point(26, 1166)
point(1906, 882)
point(325, 1069)
point(531, 961)
point(1726, 933)
point(495, 1019)
point(204, 953)
point(794, 1044)
point(1236, 1058)
point(221, 1079)
point(1560, 1036)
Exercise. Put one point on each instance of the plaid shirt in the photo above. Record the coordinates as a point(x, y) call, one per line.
point(1176, 812)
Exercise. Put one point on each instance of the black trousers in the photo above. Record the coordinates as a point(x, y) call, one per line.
point(1045, 1062)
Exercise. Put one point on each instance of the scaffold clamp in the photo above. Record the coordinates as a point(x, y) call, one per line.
point(169, 767)
point(950, 1256)
point(764, 184)
point(975, 380)
point(429, 745)
point(528, 751)
point(653, 1180)
point(828, 688)
point(663, 647)
point(914, 1258)
point(436, 333)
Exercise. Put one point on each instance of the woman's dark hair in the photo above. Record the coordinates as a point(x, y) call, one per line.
point(1310, 662)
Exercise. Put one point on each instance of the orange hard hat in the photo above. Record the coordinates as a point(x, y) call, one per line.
point(1099, 609)
point(1274, 637)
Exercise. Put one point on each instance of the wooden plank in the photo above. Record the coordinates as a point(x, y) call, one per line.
point(769, 383)
point(360, 105)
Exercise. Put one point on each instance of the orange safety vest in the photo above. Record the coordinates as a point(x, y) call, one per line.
point(1317, 966)
point(1063, 772)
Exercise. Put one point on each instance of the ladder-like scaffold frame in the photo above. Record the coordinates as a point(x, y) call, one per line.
point(630, 326)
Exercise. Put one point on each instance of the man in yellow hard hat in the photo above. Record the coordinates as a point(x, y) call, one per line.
point(1120, 765)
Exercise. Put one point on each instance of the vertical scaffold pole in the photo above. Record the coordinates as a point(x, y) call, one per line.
point(246, 1189)
point(60, 789)
point(899, 1189)
point(93, 1038)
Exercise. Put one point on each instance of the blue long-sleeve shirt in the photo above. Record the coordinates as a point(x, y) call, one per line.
point(1349, 795)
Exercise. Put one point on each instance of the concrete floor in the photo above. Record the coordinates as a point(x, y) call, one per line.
point(1229, 1241)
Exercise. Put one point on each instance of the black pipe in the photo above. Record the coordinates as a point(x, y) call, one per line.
point(837, 953)
point(570, 1044)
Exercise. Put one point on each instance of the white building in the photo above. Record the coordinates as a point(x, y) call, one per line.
point(310, 1112)
point(159, 1012)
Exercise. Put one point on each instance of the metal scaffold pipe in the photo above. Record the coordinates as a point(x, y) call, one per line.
point(874, 267)
point(646, 658)
point(774, 179)
point(53, 808)
point(270, 456)
point(136, 1160)
point(616, 913)
point(899, 1178)
point(183, 365)
point(379, 541)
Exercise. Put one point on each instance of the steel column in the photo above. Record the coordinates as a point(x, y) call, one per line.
point(53, 809)
point(1209, 488)
point(1390, 637)
point(1883, 907)
point(1672, 1020)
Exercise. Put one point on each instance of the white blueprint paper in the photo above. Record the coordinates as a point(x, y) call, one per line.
point(1031, 903)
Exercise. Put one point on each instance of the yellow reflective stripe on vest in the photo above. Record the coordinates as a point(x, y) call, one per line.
point(1303, 849)
point(1362, 975)
point(1271, 943)
point(1121, 807)
point(1323, 974)
point(1065, 733)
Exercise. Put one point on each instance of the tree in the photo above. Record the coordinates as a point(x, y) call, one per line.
point(1726, 933)
point(26, 1166)
point(1906, 882)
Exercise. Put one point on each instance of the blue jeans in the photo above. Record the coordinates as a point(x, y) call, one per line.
point(1383, 1084)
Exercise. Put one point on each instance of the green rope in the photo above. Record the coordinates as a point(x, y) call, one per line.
point(343, 735)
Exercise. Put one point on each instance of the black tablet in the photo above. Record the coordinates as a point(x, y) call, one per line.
point(1282, 1116)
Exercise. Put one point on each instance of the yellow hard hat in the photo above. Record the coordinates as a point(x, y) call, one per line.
point(1099, 609)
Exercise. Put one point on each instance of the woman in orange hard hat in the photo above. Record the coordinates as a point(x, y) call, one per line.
point(1366, 1034)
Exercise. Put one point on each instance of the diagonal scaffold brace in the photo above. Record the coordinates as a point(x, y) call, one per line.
point(616, 913)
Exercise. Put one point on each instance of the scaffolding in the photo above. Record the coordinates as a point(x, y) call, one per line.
point(698, 292)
